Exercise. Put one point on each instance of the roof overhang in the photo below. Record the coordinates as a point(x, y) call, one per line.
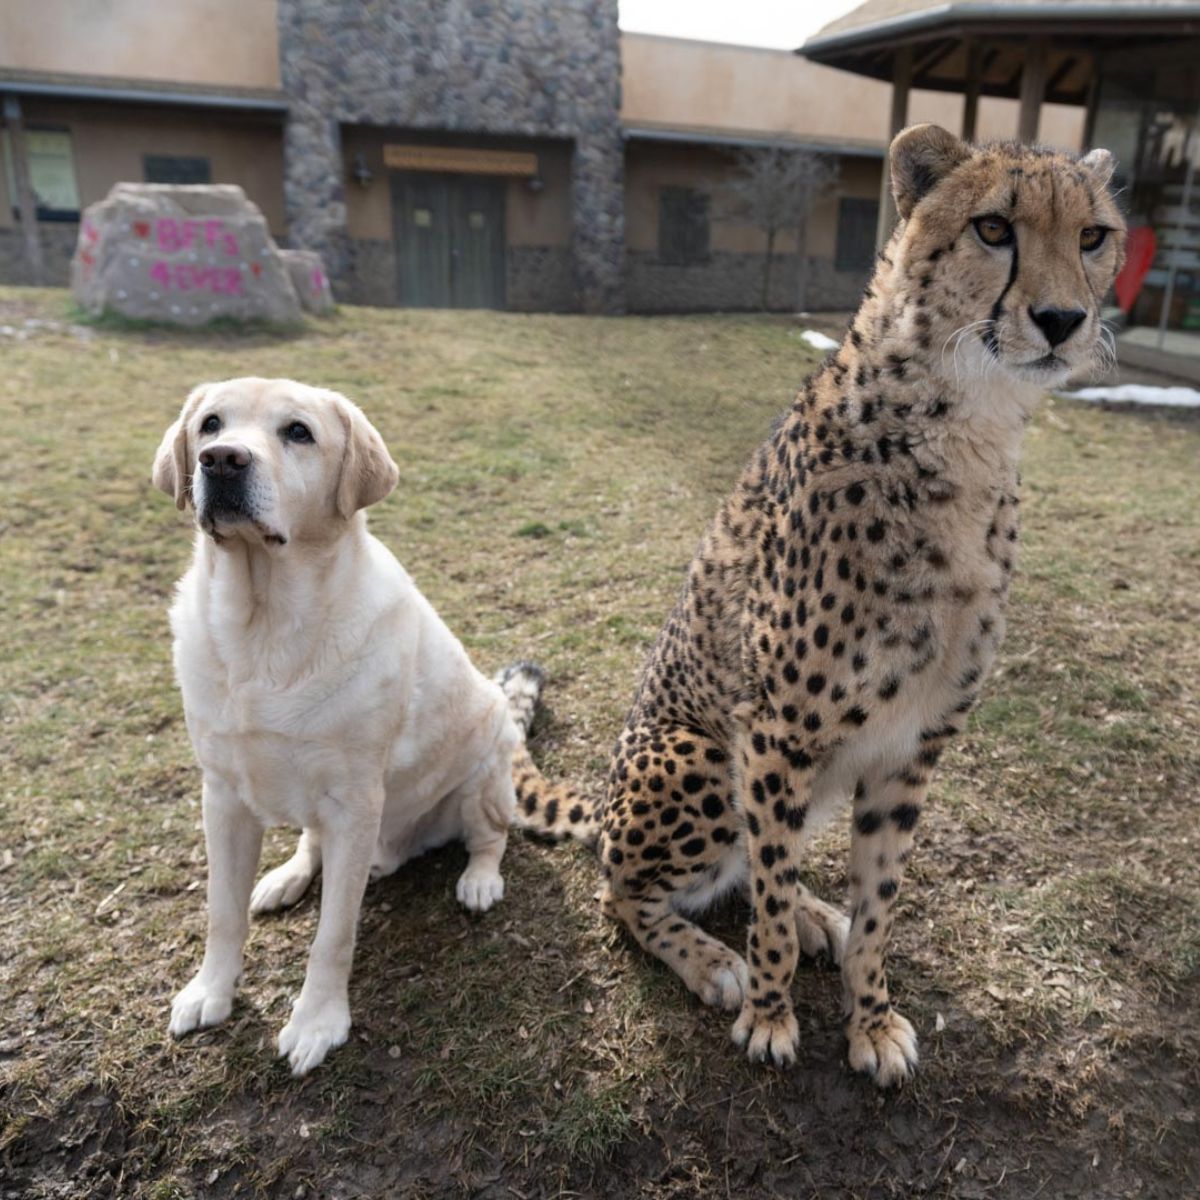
point(733, 139)
point(130, 91)
point(1077, 34)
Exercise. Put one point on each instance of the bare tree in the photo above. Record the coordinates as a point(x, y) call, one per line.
point(774, 190)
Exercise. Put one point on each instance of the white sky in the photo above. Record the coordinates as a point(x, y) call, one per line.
point(781, 24)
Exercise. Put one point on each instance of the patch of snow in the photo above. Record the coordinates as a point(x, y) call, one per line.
point(818, 341)
point(1136, 393)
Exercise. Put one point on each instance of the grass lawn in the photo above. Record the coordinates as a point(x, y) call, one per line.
point(556, 473)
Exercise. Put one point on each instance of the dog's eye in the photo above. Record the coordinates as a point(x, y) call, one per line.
point(210, 424)
point(994, 231)
point(297, 431)
point(1092, 238)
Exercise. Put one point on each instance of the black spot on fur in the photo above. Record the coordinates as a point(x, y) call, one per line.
point(868, 822)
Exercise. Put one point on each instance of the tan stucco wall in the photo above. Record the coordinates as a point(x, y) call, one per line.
point(109, 141)
point(532, 219)
point(706, 85)
point(218, 42)
point(651, 166)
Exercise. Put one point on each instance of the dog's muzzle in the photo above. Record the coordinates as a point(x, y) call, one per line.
point(225, 473)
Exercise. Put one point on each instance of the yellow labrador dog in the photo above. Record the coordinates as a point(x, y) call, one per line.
point(321, 690)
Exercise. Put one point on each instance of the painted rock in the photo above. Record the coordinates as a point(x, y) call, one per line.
point(310, 280)
point(185, 255)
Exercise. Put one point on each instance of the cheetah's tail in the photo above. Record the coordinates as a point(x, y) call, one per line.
point(555, 810)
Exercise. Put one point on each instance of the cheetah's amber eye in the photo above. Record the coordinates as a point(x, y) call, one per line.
point(1092, 238)
point(994, 231)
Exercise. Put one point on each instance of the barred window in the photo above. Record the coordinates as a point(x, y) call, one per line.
point(175, 168)
point(683, 226)
point(857, 220)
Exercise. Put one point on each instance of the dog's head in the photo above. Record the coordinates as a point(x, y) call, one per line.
point(272, 460)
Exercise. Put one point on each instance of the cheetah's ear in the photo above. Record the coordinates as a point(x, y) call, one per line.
point(920, 158)
point(1101, 164)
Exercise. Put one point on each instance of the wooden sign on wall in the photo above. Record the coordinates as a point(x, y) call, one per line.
point(460, 160)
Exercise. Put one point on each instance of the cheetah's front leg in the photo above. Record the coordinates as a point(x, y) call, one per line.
point(883, 1044)
point(775, 787)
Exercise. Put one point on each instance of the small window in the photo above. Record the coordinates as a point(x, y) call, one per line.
point(682, 227)
point(857, 219)
point(174, 168)
point(50, 159)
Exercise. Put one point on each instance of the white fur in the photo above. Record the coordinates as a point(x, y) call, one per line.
point(323, 692)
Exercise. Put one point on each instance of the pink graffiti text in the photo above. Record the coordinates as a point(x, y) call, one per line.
point(173, 235)
point(189, 277)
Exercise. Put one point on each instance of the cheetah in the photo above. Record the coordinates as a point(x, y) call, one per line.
point(847, 601)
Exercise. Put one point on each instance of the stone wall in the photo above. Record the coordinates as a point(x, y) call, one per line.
point(537, 68)
point(537, 278)
point(732, 282)
point(371, 272)
point(58, 244)
point(540, 279)
point(831, 289)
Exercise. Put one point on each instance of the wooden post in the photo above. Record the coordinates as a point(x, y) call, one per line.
point(901, 82)
point(1093, 102)
point(1033, 89)
point(26, 201)
point(971, 103)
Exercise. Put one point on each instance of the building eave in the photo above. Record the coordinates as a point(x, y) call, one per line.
point(748, 139)
point(1151, 20)
point(128, 91)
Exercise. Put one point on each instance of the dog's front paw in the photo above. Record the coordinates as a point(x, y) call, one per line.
point(198, 1006)
point(312, 1032)
point(479, 888)
point(886, 1049)
point(774, 1038)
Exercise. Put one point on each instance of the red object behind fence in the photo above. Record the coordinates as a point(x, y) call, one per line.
point(1140, 248)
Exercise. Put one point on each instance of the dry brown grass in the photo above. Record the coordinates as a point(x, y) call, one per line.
point(556, 475)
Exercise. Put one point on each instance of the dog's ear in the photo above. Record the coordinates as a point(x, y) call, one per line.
point(922, 156)
point(173, 463)
point(368, 473)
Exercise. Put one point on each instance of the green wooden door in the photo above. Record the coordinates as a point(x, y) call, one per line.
point(449, 240)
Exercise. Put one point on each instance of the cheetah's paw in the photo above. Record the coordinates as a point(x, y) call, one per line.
point(822, 929)
point(774, 1039)
point(722, 982)
point(888, 1054)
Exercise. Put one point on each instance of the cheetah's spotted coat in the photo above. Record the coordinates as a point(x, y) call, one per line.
point(847, 601)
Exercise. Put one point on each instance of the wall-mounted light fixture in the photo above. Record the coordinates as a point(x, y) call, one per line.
point(535, 184)
point(360, 172)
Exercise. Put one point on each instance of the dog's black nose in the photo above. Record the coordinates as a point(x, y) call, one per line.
point(1057, 323)
point(223, 462)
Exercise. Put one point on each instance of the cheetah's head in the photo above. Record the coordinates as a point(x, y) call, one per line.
point(1013, 248)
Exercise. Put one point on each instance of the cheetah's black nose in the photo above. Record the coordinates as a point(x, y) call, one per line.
point(1057, 323)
